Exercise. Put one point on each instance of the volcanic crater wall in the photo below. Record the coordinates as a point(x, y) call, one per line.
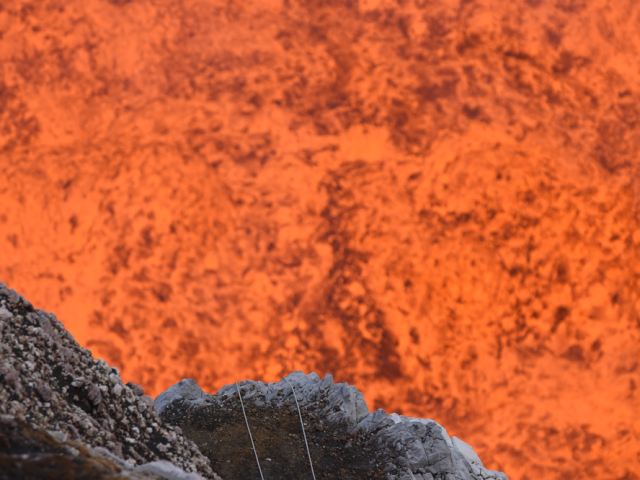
point(436, 201)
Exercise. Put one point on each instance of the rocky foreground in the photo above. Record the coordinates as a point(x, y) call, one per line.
point(64, 414)
point(345, 440)
point(77, 408)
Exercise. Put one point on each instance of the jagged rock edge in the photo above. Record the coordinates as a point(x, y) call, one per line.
point(424, 449)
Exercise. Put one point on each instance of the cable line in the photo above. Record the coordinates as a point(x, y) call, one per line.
point(249, 430)
point(304, 434)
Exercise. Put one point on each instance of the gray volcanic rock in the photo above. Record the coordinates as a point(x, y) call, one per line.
point(50, 383)
point(410, 448)
point(186, 389)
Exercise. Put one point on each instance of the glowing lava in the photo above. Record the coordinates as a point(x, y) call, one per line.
point(434, 200)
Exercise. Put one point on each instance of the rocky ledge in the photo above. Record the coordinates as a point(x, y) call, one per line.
point(64, 412)
point(345, 440)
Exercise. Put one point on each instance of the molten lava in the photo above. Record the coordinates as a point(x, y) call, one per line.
point(435, 200)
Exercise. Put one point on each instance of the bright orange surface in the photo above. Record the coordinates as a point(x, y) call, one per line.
point(437, 201)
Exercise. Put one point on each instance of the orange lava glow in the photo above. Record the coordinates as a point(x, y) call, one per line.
point(435, 200)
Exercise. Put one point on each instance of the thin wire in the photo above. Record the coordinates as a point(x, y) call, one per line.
point(302, 424)
point(249, 430)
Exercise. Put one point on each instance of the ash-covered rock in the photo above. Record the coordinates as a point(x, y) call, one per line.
point(50, 383)
point(409, 448)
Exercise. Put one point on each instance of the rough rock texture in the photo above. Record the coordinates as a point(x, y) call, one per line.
point(49, 382)
point(408, 448)
point(30, 454)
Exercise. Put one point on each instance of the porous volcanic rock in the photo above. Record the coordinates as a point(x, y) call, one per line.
point(60, 406)
point(344, 439)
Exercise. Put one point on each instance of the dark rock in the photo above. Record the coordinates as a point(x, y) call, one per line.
point(27, 453)
point(95, 396)
point(398, 447)
point(45, 392)
point(137, 389)
point(84, 401)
